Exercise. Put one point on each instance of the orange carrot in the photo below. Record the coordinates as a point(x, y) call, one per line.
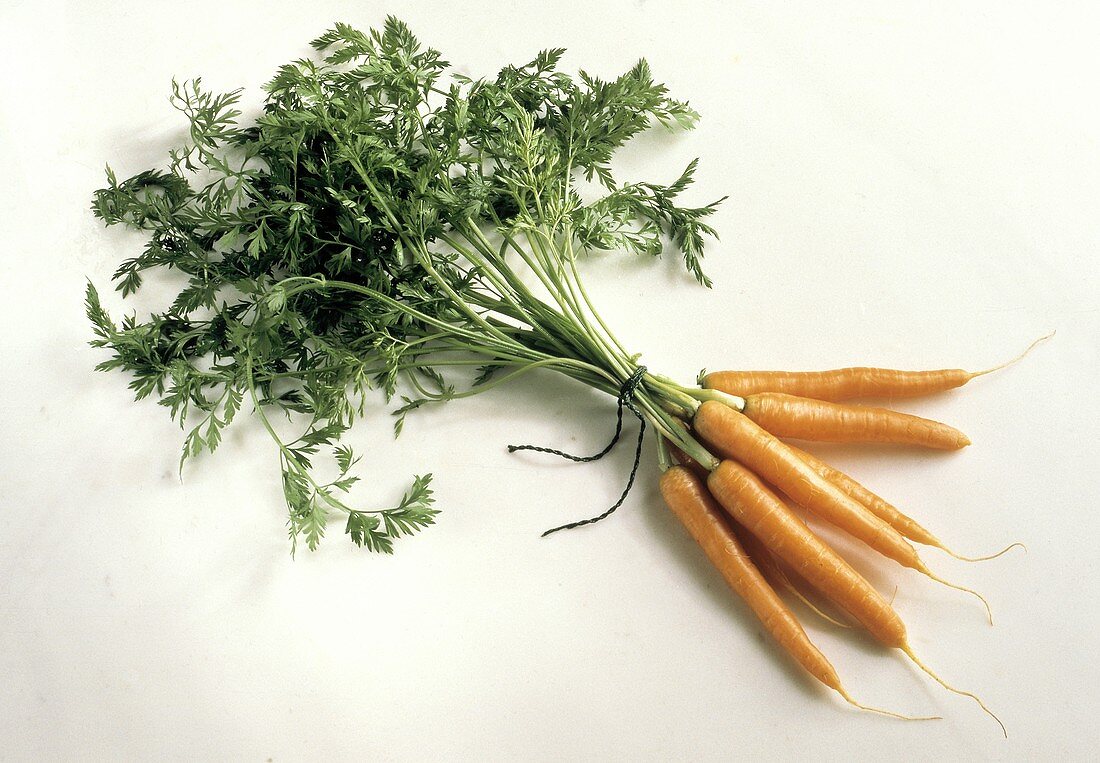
point(839, 383)
point(847, 383)
point(882, 509)
point(808, 419)
point(749, 501)
point(774, 573)
point(756, 508)
point(876, 505)
point(758, 553)
point(690, 501)
point(735, 436)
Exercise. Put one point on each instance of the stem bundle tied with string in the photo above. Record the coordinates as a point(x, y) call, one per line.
point(383, 226)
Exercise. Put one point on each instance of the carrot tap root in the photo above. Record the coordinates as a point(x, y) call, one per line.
point(811, 606)
point(686, 494)
point(1016, 359)
point(736, 436)
point(847, 383)
point(839, 383)
point(762, 513)
point(878, 506)
point(1002, 552)
point(849, 699)
point(916, 661)
point(925, 571)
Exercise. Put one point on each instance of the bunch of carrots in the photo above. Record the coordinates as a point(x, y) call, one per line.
point(386, 224)
point(736, 507)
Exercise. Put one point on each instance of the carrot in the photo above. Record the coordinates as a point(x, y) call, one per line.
point(808, 419)
point(683, 459)
point(758, 553)
point(736, 436)
point(763, 514)
point(838, 383)
point(884, 510)
point(847, 383)
point(876, 505)
point(687, 496)
point(752, 504)
point(774, 573)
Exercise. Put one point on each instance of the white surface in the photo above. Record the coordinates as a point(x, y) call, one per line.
point(909, 187)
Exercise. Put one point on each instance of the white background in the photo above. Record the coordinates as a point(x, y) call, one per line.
point(911, 185)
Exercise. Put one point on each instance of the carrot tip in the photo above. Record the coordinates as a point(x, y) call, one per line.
point(1003, 551)
point(971, 591)
point(916, 661)
point(1019, 357)
point(848, 698)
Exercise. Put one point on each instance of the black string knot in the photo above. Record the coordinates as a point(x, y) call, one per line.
point(625, 400)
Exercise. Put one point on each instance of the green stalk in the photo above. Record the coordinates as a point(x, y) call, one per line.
point(664, 457)
point(572, 260)
point(540, 243)
point(529, 313)
point(311, 284)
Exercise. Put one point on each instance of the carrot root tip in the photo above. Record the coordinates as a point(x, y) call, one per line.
point(1002, 552)
point(851, 701)
point(1016, 359)
point(971, 591)
point(916, 661)
point(817, 610)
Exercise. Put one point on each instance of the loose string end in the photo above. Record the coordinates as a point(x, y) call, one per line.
point(626, 490)
point(625, 400)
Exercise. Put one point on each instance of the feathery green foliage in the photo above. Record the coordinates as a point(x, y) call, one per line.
point(374, 228)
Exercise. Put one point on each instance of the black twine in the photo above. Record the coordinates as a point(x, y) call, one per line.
point(625, 400)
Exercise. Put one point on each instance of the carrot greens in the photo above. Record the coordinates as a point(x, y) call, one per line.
point(383, 224)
